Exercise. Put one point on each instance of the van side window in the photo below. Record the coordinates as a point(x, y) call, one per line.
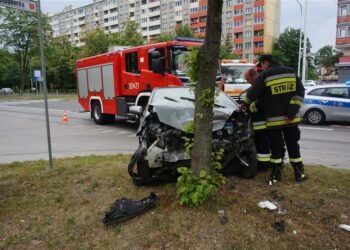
point(131, 62)
point(162, 54)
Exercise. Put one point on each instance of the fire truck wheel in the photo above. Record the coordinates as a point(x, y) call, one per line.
point(98, 116)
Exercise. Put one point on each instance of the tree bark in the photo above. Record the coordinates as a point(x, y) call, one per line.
point(208, 60)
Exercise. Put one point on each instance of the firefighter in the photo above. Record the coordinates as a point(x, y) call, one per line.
point(282, 94)
point(262, 144)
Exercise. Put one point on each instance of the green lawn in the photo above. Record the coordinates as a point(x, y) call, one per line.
point(63, 208)
point(38, 97)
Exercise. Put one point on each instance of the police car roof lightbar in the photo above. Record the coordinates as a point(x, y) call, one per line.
point(189, 39)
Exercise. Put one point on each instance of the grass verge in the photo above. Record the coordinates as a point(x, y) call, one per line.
point(66, 97)
point(63, 208)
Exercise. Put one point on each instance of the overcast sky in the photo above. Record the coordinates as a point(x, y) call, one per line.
point(321, 17)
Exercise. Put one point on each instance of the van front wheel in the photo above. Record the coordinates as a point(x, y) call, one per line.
point(98, 116)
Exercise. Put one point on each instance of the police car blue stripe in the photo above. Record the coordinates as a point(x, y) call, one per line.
point(327, 103)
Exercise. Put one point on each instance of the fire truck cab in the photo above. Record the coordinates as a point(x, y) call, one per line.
point(109, 84)
point(233, 73)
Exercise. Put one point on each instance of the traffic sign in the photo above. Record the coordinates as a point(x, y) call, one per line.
point(25, 5)
point(37, 74)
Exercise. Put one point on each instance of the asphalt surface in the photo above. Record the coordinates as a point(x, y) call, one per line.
point(23, 135)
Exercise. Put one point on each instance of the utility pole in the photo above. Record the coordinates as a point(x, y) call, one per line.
point(305, 45)
point(300, 35)
point(43, 68)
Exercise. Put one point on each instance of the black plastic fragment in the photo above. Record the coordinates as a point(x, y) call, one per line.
point(279, 226)
point(124, 209)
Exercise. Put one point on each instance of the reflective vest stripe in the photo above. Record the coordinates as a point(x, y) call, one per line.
point(295, 160)
point(264, 159)
point(297, 97)
point(274, 77)
point(297, 102)
point(282, 122)
point(252, 107)
point(276, 160)
point(282, 80)
point(260, 127)
point(247, 100)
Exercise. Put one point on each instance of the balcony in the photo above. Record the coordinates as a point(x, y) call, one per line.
point(343, 41)
point(258, 38)
point(237, 40)
point(258, 50)
point(344, 59)
point(343, 19)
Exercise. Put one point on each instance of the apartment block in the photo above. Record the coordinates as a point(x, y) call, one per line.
point(343, 40)
point(251, 25)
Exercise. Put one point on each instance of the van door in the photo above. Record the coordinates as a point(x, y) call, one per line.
point(150, 79)
point(130, 74)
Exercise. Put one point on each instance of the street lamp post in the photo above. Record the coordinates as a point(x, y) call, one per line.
point(305, 45)
point(300, 34)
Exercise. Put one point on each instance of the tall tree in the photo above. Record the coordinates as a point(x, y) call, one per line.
point(9, 70)
point(183, 31)
point(96, 42)
point(128, 36)
point(61, 59)
point(226, 49)
point(164, 37)
point(208, 58)
point(286, 48)
point(19, 32)
point(327, 56)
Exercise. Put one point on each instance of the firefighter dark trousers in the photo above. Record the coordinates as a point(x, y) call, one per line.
point(262, 146)
point(291, 137)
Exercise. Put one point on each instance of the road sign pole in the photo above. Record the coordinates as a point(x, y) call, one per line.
point(42, 59)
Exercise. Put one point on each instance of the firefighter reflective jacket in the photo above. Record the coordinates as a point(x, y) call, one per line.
point(282, 94)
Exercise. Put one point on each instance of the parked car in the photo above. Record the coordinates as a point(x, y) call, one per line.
point(6, 91)
point(326, 103)
point(309, 83)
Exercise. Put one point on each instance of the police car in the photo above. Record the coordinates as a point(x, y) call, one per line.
point(329, 102)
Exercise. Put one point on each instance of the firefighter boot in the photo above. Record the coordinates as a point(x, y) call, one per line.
point(299, 174)
point(276, 175)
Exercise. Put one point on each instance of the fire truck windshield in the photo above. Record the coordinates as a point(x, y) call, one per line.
point(178, 65)
point(234, 74)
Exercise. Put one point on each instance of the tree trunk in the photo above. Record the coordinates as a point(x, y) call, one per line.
point(23, 80)
point(208, 59)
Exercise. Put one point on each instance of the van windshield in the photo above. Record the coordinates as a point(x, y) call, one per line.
point(178, 66)
point(234, 73)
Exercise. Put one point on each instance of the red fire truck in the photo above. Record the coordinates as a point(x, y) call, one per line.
point(108, 84)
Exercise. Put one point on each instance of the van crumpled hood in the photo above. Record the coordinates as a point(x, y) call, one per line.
point(179, 114)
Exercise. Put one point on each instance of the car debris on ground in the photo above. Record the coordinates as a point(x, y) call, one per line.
point(124, 209)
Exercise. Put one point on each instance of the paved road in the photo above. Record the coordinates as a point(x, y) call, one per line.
point(23, 135)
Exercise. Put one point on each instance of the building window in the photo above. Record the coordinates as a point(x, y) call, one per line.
point(258, 9)
point(248, 33)
point(343, 32)
point(248, 56)
point(258, 20)
point(239, 35)
point(239, 24)
point(239, 46)
point(229, 3)
point(239, 12)
point(248, 45)
point(343, 10)
point(258, 32)
point(229, 14)
point(248, 11)
point(131, 62)
point(259, 44)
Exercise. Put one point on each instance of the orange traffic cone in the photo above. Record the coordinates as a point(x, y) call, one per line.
point(65, 117)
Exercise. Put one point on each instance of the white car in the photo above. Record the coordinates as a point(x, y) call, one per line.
point(329, 102)
point(6, 91)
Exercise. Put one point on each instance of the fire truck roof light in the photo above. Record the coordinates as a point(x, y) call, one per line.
point(188, 39)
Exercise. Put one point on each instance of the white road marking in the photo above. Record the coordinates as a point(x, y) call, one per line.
point(322, 129)
point(122, 133)
point(107, 131)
